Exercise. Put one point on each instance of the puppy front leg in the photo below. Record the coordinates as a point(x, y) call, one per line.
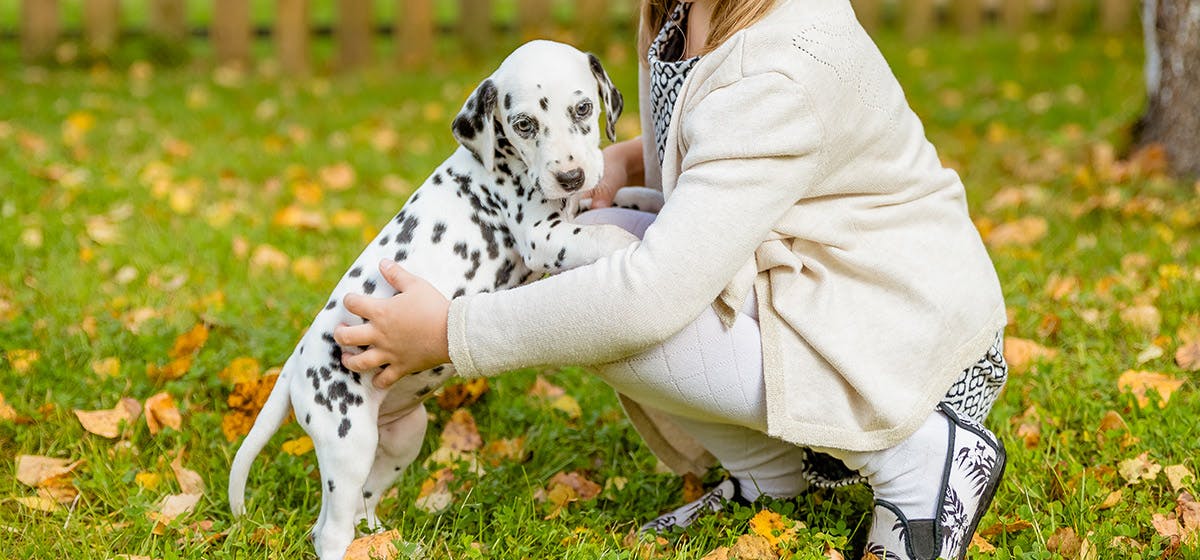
point(557, 245)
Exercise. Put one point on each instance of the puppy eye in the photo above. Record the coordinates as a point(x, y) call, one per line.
point(583, 109)
point(523, 126)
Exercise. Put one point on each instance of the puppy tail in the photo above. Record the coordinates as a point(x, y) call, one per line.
point(272, 415)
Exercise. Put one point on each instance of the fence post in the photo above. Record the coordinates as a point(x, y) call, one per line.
point(869, 13)
point(168, 20)
point(593, 17)
point(414, 32)
point(353, 31)
point(919, 19)
point(231, 31)
point(968, 14)
point(39, 28)
point(1114, 15)
point(1066, 14)
point(534, 18)
point(475, 25)
point(101, 25)
point(291, 35)
point(1015, 13)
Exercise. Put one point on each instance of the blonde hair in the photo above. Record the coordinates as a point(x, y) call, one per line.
point(729, 17)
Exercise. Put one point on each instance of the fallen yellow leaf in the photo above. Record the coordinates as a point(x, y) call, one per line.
point(338, 177)
point(1138, 469)
point(22, 359)
point(1020, 233)
point(244, 402)
point(379, 546)
point(171, 507)
point(462, 394)
point(268, 257)
point(298, 446)
point(981, 545)
point(778, 530)
point(147, 480)
point(567, 404)
point(189, 480)
point(161, 411)
point(107, 367)
point(38, 470)
point(1145, 318)
point(434, 495)
point(1139, 381)
point(1111, 500)
point(40, 503)
point(241, 370)
point(1021, 353)
point(1187, 356)
point(461, 433)
point(1179, 476)
point(107, 423)
point(7, 412)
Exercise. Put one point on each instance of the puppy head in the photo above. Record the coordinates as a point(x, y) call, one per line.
point(541, 107)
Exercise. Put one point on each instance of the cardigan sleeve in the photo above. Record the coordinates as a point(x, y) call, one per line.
point(753, 149)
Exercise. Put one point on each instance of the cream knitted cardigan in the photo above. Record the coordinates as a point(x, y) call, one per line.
point(794, 167)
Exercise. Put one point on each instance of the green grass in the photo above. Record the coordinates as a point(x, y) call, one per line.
point(1006, 112)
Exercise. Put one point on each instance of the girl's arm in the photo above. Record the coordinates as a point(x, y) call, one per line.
point(745, 167)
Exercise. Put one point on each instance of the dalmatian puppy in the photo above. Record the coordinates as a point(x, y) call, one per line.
point(496, 214)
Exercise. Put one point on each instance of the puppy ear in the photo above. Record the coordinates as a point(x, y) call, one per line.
point(474, 127)
point(609, 95)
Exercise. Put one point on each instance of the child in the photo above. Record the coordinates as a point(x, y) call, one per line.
point(812, 286)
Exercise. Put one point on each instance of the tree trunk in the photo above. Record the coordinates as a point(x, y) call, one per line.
point(1172, 118)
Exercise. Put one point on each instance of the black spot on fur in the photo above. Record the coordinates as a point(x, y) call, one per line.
point(576, 232)
point(368, 287)
point(400, 256)
point(438, 369)
point(332, 303)
point(437, 179)
point(383, 240)
point(406, 230)
point(425, 390)
point(544, 103)
point(330, 484)
point(474, 265)
point(439, 229)
point(367, 494)
point(356, 272)
point(460, 249)
point(344, 427)
point(459, 292)
point(308, 418)
point(504, 274)
point(508, 101)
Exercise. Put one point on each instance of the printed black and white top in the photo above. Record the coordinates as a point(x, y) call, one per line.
point(667, 72)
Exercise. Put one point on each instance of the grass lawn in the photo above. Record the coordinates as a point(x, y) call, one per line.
point(137, 202)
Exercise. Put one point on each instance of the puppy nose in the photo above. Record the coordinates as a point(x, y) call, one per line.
point(570, 180)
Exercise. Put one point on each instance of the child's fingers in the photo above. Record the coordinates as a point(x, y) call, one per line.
point(395, 275)
point(360, 335)
point(387, 377)
point(369, 360)
point(364, 306)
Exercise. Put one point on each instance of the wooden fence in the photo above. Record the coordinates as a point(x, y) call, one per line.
point(231, 31)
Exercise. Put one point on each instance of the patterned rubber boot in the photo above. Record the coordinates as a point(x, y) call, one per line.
point(971, 471)
point(712, 501)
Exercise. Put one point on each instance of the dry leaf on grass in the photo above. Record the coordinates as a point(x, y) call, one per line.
point(107, 423)
point(435, 495)
point(462, 394)
point(1065, 542)
point(1005, 528)
point(10, 414)
point(1138, 469)
point(568, 405)
point(565, 488)
point(298, 446)
point(545, 389)
point(1139, 382)
point(1021, 353)
point(39, 471)
point(778, 530)
point(1179, 476)
point(161, 411)
point(1111, 500)
point(170, 508)
point(182, 353)
point(1023, 232)
point(1187, 356)
point(1145, 318)
point(747, 547)
point(461, 433)
point(379, 546)
point(981, 545)
point(505, 449)
point(241, 370)
point(189, 480)
point(244, 402)
point(338, 177)
point(22, 359)
point(107, 367)
point(1029, 426)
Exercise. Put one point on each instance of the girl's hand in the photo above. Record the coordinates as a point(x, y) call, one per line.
point(406, 332)
point(621, 161)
